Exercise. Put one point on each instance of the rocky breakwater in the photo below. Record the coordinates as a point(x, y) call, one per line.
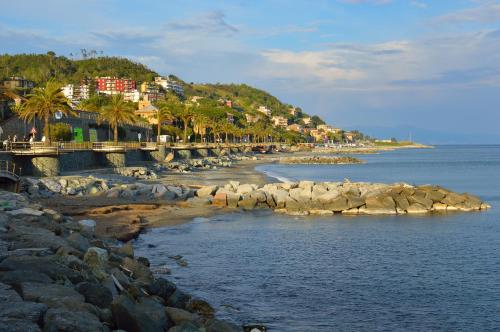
point(92, 186)
point(56, 274)
point(189, 165)
point(140, 173)
point(328, 198)
point(320, 160)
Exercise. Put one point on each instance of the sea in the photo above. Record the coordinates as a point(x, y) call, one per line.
point(363, 273)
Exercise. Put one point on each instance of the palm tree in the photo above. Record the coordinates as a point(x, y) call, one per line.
point(43, 103)
point(166, 110)
point(186, 115)
point(7, 94)
point(200, 125)
point(116, 113)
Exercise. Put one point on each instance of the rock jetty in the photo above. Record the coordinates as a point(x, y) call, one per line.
point(329, 198)
point(319, 160)
point(92, 186)
point(56, 274)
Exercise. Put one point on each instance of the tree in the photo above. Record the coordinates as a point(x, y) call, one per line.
point(185, 114)
point(166, 110)
point(116, 113)
point(43, 103)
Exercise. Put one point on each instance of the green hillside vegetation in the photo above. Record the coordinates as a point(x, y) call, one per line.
point(244, 97)
point(40, 68)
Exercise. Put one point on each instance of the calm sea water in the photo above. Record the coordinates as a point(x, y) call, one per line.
point(433, 273)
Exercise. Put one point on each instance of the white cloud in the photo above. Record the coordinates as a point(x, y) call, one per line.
point(488, 12)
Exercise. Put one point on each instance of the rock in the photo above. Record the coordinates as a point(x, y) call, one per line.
point(45, 265)
point(328, 197)
point(306, 185)
point(19, 276)
point(220, 199)
point(435, 195)
point(178, 299)
point(139, 270)
point(66, 320)
point(453, 199)
point(24, 236)
point(232, 200)
point(380, 202)
point(95, 294)
point(16, 313)
point(97, 258)
point(200, 307)
point(417, 208)
point(215, 325)
point(354, 201)
point(338, 204)
point(187, 327)
point(178, 316)
point(87, 225)
point(439, 207)
point(206, 191)
point(162, 288)
point(279, 197)
point(302, 195)
point(247, 202)
point(321, 212)
point(401, 202)
point(421, 200)
point(25, 211)
point(53, 295)
point(147, 315)
point(126, 250)
point(77, 241)
point(245, 189)
point(292, 205)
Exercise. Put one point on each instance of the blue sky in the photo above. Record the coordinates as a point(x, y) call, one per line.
point(389, 67)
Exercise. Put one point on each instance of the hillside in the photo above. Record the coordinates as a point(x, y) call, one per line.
point(243, 96)
point(41, 67)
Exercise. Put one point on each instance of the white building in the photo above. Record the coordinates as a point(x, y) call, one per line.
point(133, 96)
point(306, 121)
point(264, 110)
point(279, 121)
point(76, 93)
point(169, 84)
point(326, 128)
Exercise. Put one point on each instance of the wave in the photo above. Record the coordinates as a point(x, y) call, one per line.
point(274, 175)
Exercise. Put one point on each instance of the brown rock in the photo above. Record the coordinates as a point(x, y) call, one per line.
point(220, 199)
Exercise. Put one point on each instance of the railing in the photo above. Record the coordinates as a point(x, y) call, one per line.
point(60, 147)
point(9, 168)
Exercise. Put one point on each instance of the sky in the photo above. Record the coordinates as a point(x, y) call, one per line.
point(425, 68)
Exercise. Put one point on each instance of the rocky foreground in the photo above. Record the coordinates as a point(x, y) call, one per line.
point(328, 198)
point(57, 275)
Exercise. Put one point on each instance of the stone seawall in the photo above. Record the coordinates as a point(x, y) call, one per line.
point(329, 198)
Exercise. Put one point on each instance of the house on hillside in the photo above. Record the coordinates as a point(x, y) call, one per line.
point(279, 121)
point(264, 110)
point(295, 128)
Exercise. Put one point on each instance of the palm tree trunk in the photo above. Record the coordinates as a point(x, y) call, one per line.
point(115, 133)
point(158, 132)
point(185, 131)
point(46, 130)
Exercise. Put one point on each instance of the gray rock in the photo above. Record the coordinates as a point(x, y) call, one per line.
point(68, 320)
point(179, 316)
point(97, 259)
point(77, 241)
point(147, 315)
point(53, 295)
point(215, 325)
point(95, 294)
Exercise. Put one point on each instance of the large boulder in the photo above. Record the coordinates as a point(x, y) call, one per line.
point(97, 259)
point(453, 199)
point(338, 204)
point(206, 191)
point(279, 197)
point(179, 316)
point(147, 315)
point(380, 202)
point(420, 200)
point(247, 202)
point(95, 294)
point(66, 320)
point(53, 295)
point(16, 314)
